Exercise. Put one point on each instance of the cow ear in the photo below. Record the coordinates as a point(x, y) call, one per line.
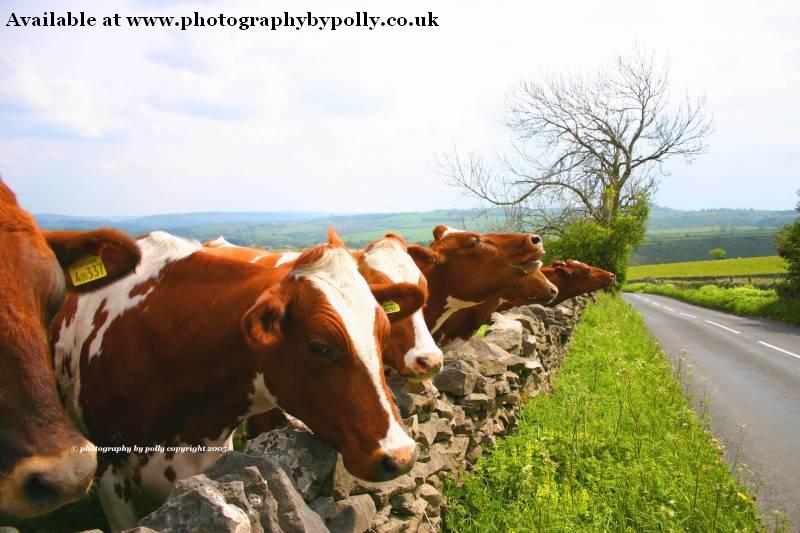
point(396, 236)
point(424, 257)
point(398, 300)
point(439, 231)
point(334, 239)
point(261, 324)
point(93, 259)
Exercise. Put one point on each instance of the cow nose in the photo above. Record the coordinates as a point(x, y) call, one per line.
point(428, 363)
point(553, 292)
point(397, 462)
point(535, 239)
point(41, 491)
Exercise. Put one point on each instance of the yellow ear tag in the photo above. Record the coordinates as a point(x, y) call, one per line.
point(390, 306)
point(87, 269)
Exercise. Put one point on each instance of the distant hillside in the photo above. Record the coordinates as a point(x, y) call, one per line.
point(169, 222)
point(673, 235)
point(666, 218)
point(281, 230)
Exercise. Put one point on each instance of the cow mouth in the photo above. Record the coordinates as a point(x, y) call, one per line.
point(531, 263)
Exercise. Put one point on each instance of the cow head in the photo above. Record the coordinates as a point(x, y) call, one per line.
point(475, 266)
point(322, 331)
point(411, 350)
point(41, 466)
point(574, 278)
point(533, 287)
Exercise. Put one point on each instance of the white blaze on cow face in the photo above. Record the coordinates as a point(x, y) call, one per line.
point(336, 275)
point(287, 257)
point(158, 250)
point(450, 230)
point(388, 257)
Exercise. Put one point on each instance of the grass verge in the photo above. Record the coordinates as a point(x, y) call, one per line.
point(615, 447)
point(742, 266)
point(747, 300)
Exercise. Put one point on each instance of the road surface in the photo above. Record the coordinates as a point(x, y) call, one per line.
point(749, 369)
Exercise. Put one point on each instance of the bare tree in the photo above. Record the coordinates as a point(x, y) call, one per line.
point(584, 146)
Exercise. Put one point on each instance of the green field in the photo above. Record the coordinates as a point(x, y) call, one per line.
point(615, 447)
point(744, 266)
point(670, 246)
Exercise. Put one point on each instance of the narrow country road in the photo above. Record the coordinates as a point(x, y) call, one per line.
point(749, 369)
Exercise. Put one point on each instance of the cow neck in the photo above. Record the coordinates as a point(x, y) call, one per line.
point(441, 304)
point(465, 322)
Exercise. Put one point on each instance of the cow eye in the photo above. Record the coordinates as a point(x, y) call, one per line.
point(474, 242)
point(320, 348)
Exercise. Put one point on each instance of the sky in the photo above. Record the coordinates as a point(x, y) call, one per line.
point(133, 121)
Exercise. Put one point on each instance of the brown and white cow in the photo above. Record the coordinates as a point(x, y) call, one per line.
point(41, 467)
point(411, 350)
point(192, 344)
point(572, 278)
point(465, 269)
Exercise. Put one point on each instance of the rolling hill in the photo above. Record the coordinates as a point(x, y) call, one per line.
point(673, 235)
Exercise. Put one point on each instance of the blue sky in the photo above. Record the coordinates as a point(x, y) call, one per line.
point(132, 121)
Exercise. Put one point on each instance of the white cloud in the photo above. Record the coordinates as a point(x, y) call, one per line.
point(219, 119)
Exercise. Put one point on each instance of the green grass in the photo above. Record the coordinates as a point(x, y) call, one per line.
point(615, 447)
point(747, 300)
point(744, 266)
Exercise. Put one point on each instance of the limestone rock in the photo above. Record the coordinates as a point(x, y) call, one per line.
point(381, 492)
point(505, 333)
point(293, 515)
point(305, 459)
point(353, 515)
point(201, 509)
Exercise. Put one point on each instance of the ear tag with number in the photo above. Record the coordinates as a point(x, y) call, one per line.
point(87, 269)
point(390, 306)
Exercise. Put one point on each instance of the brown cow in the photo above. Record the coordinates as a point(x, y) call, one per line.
point(411, 351)
point(465, 269)
point(180, 353)
point(532, 288)
point(572, 278)
point(40, 465)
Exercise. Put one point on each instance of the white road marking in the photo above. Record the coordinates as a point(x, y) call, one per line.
point(723, 327)
point(787, 352)
point(668, 308)
point(687, 314)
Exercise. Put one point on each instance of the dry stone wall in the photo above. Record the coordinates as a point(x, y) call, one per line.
point(288, 481)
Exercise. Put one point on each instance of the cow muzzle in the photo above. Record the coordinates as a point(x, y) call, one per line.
point(423, 364)
point(395, 463)
point(40, 484)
